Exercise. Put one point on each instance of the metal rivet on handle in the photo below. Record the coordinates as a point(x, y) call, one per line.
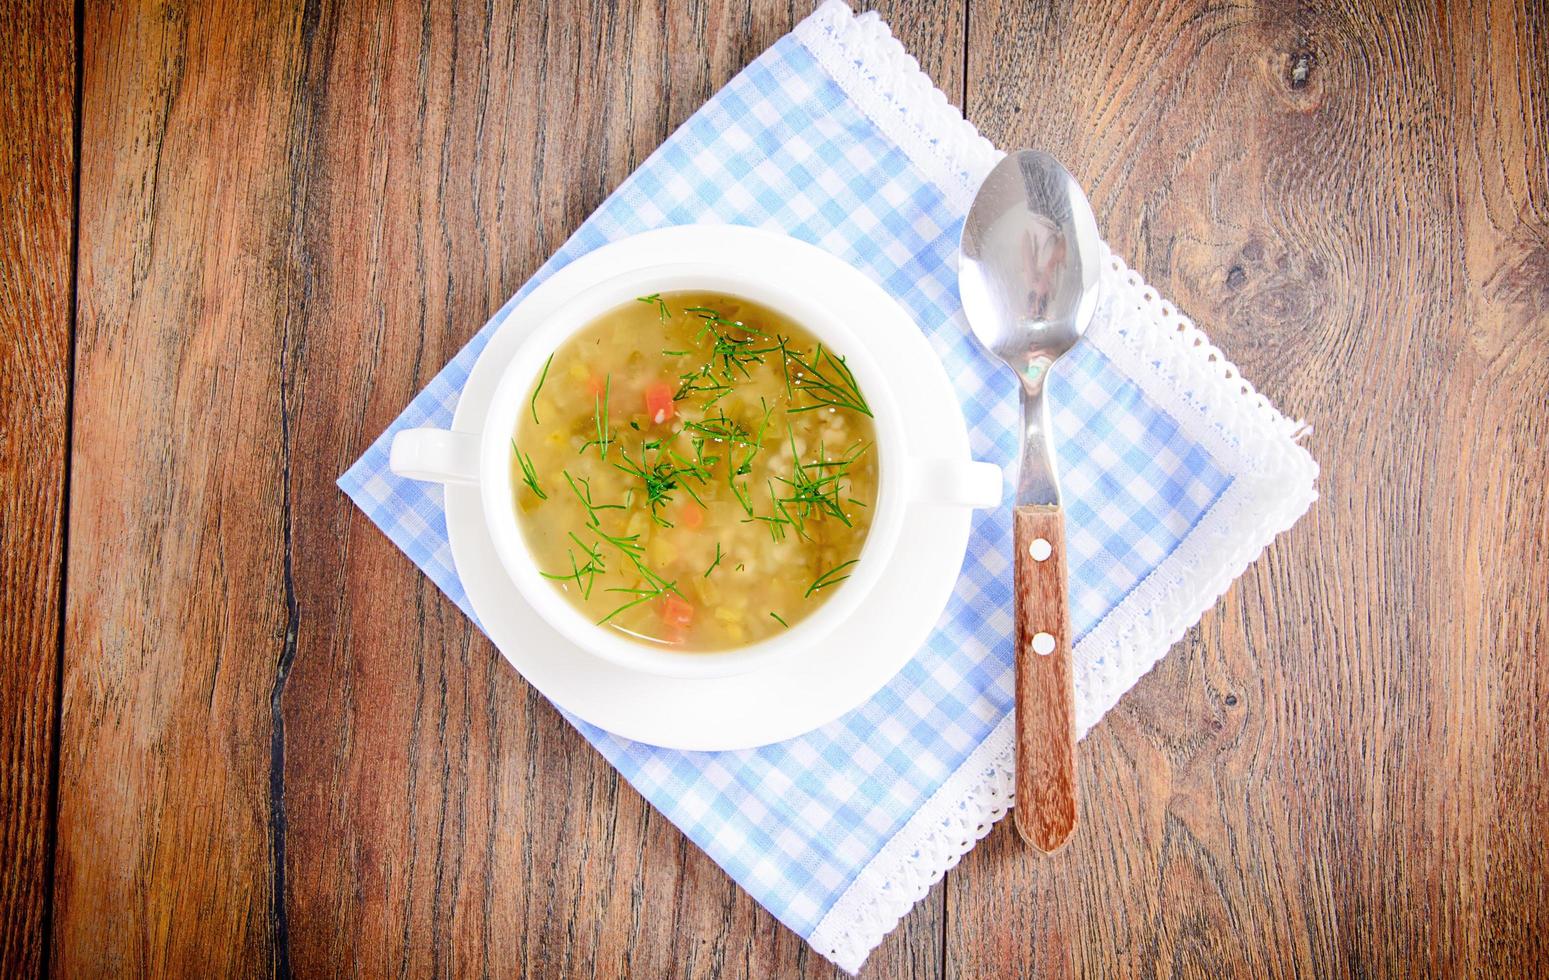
point(1043, 644)
point(1040, 549)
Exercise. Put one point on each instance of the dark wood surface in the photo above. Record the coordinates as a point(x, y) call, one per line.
point(280, 750)
point(37, 187)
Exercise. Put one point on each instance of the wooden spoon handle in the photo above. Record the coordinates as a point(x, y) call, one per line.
point(1045, 811)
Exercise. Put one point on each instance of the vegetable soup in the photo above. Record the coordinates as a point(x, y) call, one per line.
point(696, 470)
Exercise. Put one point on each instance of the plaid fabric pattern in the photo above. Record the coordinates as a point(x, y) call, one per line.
point(781, 147)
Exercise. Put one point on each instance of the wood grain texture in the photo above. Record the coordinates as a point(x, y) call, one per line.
point(179, 551)
point(1341, 771)
point(441, 818)
point(37, 184)
point(1046, 781)
point(283, 751)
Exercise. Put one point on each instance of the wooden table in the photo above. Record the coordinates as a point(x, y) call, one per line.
point(242, 735)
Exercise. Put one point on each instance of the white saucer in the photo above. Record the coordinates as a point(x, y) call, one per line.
point(794, 695)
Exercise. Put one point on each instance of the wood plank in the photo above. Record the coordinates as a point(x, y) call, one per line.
point(441, 816)
point(37, 183)
point(178, 550)
point(1342, 770)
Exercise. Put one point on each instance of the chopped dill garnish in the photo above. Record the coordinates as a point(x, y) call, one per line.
point(582, 575)
point(583, 493)
point(779, 620)
point(718, 557)
point(600, 416)
point(640, 595)
point(713, 317)
point(676, 353)
point(720, 428)
point(629, 546)
point(701, 381)
point(740, 566)
point(661, 305)
point(778, 519)
point(705, 462)
point(663, 476)
point(655, 586)
point(734, 353)
point(529, 474)
point(746, 466)
point(742, 495)
point(544, 376)
point(816, 488)
point(830, 577)
point(834, 388)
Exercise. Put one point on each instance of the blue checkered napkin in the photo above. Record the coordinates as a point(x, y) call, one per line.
point(833, 136)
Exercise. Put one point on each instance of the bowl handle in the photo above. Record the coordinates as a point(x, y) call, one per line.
point(963, 482)
point(435, 455)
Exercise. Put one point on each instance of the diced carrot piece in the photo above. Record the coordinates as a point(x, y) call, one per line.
point(658, 402)
point(693, 516)
point(595, 385)
point(677, 612)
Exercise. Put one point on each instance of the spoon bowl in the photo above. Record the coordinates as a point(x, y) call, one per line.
point(1030, 253)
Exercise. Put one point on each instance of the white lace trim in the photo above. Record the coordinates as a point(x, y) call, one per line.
point(956, 817)
point(871, 66)
point(1178, 369)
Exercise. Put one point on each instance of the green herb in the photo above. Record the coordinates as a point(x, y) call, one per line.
point(676, 353)
point(629, 546)
point(641, 595)
point(714, 318)
point(701, 381)
point(830, 577)
point(705, 462)
point(600, 416)
point(746, 466)
point(663, 476)
point(583, 493)
point(655, 586)
point(816, 488)
point(734, 353)
point(740, 567)
point(826, 379)
point(720, 428)
point(718, 557)
point(529, 474)
point(778, 519)
point(741, 493)
point(661, 305)
point(541, 378)
point(582, 575)
point(575, 574)
point(690, 468)
point(779, 620)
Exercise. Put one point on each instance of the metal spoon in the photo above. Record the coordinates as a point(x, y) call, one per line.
point(1029, 283)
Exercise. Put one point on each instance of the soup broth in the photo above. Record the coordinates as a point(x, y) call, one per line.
point(695, 470)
